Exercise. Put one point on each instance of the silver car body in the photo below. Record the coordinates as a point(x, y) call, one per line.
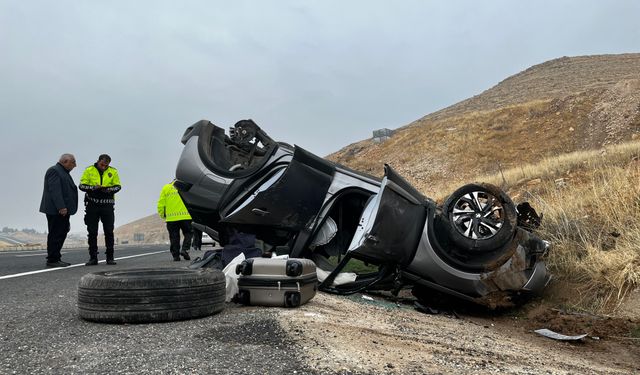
point(284, 195)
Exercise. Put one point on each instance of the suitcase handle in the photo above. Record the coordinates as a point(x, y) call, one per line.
point(280, 285)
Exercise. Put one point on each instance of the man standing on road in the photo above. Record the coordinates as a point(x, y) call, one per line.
point(172, 209)
point(100, 182)
point(59, 202)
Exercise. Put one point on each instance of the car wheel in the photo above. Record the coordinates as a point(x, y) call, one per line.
point(150, 295)
point(481, 217)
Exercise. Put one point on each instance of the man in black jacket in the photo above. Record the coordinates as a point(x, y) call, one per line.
point(59, 202)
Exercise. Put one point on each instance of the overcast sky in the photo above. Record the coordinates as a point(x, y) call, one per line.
point(127, 77)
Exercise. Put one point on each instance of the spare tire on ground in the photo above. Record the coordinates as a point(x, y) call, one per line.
point(150, 295)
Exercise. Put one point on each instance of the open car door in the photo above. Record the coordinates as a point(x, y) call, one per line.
point(387, 234)
point(288, 199)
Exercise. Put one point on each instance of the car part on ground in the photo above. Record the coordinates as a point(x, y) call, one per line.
point(207, 241)
point(150, 295)
point(383, 230)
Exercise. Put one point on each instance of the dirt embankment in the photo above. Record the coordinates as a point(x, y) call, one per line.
point(354, 335)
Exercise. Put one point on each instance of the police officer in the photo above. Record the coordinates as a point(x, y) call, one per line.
point(100, 182)
point(171, 208)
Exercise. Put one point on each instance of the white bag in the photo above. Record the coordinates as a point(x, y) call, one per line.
point(231, 277)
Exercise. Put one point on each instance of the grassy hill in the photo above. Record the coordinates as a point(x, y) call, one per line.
point(561, 106)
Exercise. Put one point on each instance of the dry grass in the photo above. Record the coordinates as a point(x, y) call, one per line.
point(591, 206)
point(431, 153)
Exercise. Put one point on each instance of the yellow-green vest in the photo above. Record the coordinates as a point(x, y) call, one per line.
point(170, 205)
point(91, 177)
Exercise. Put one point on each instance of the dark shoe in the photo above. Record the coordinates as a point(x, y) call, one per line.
point(67, 264)
point(111, 262)
point(185, 255)
point(176, 258)
point(92, 262)
point(57, 264)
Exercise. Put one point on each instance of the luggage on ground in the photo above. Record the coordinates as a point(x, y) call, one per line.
point(276, 282)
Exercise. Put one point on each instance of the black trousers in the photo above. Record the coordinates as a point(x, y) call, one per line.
point(174, 228)
point(58, 228)
point(93, 214)
point(197, 238)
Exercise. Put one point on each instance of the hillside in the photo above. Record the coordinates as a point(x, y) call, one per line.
point(151, 227)
point(560, 106)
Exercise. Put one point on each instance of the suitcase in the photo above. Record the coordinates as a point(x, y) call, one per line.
point(276, 282)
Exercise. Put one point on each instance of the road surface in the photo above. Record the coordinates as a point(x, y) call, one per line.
point(40, 331)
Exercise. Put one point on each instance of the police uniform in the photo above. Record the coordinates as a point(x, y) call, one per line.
point(100, 188)
point(171, 208)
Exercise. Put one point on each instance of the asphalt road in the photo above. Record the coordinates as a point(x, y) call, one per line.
point(40, 331)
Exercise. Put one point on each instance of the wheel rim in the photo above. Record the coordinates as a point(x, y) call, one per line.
point(478, 215)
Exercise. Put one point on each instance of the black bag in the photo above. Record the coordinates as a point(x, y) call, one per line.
point(210, 259)
point(239, 242)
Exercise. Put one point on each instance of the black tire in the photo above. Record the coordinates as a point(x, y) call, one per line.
point(480, 217)
point(150, 295)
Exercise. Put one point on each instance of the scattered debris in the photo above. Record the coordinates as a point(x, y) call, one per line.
point(425, 309)
point(561, 182)
point(558, 336)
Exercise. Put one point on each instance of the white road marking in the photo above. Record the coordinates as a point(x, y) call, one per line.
point(36, 255)
point(73, 265)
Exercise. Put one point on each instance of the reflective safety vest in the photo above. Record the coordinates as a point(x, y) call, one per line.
point(108, 180)
point(170, 205)
point(91, 177)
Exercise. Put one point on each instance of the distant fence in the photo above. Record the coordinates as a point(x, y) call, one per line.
point(36, 247)
point(74, 246)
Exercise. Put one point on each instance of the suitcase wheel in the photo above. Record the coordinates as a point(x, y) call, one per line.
point(245, 268)
point(239, 268)
point(292, 299)
point(244, 297)
point(294, 268)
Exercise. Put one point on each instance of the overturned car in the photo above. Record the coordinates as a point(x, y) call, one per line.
point(362, 232)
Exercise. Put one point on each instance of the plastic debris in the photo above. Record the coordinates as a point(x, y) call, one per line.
point(558, 336)
point(425, 309)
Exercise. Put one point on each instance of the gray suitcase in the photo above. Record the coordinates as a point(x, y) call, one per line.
point(276, 282)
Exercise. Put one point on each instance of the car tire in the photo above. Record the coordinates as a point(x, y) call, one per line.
point(150, 295)
point(480, 217)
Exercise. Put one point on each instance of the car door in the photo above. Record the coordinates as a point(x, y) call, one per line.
point(391, 224)
point(288, 199)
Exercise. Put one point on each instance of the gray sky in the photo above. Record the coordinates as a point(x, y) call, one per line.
point(127, 77)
